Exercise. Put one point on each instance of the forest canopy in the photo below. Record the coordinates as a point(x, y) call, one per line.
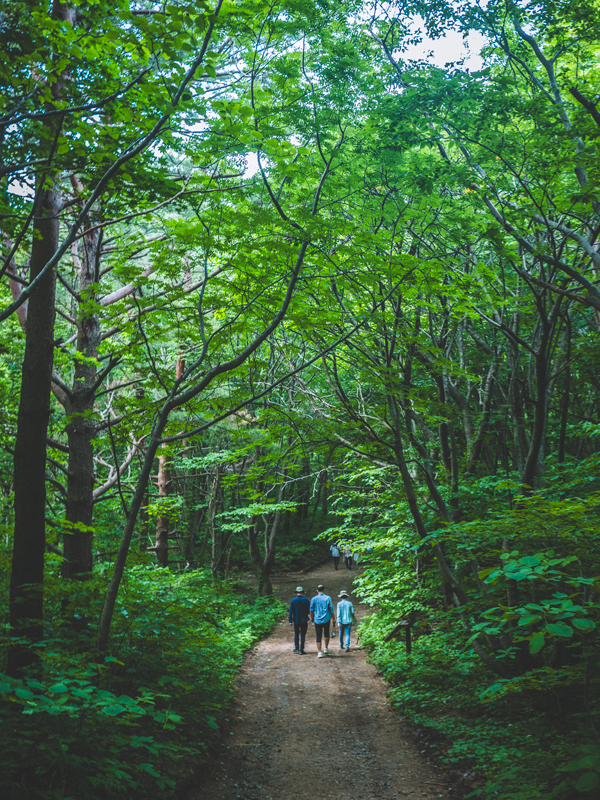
point(269, 283)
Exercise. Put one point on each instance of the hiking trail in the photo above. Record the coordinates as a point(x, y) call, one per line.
point(304, 727)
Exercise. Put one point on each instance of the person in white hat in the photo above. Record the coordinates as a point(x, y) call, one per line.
point(298, 617)
point(345, 618)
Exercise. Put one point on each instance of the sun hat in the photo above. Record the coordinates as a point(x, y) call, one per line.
point(299, 589)
point(343, 593)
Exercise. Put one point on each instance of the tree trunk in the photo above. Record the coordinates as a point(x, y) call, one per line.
point(27, 574)
point(145, 526)
point(26, 603)
point(476, 445)
point(254, 551)
point(532, 467)
point(325, 501)
point(564, 407)
point(161, 545)
point(564, 417)
point(81, 428)
point(216, 551)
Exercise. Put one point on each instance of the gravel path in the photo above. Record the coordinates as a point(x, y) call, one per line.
point(305, 727)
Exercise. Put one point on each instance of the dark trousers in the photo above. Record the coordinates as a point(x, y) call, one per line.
point(349, 562)
point(336, 561)
point(300, 635)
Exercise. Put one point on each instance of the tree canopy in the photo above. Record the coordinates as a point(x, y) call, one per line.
point(268, 283)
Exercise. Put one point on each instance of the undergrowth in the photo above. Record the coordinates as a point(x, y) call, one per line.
point(119, 726)
point(534, 744)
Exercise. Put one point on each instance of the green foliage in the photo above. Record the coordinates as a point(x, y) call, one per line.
point(521, 718)
point(429, 400)
point(120, 726)
point(523, 743)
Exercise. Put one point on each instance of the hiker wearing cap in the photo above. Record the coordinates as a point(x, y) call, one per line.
point(345, 617)
point(298, 617)
point(321, 613)
point(335, 552)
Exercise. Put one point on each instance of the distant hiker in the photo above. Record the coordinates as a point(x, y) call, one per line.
point(345, 618)
point(298, 617)
point(348, 558)
point(335, 552)
point(321, 612)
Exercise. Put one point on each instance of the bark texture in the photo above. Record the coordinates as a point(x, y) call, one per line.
point(81, 427)
point(27, 575)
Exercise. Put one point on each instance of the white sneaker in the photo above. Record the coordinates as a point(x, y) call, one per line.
point(326, 651)
point(320, 655)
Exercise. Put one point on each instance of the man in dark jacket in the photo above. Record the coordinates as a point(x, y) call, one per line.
point(298, 617)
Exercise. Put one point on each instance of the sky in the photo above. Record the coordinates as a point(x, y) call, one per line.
point(451, 47)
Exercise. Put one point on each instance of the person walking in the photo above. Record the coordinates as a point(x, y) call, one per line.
point(345, 618)
point(321, 614)
point(298, 617)
point(335, 552)
point(348, 558)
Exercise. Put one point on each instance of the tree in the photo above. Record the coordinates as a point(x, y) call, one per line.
point(42, 116)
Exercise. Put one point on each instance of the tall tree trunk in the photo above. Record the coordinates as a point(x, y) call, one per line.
point(26, 603)
point(145, 526)
point(27, 573)
point(81, 427)
point(263, 565)
point(215, 535)
point(161, 544)
point(564, 417)
point(534, 463)
point(476, 445)
point(564, 407)
point(453, 470)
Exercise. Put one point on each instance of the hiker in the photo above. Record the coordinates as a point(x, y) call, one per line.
point(335, 552)
point(321, 613)
point(348, 558)
point(345, 618)
point(298, 617)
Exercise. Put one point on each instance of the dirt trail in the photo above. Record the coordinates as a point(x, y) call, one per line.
point(304, 727)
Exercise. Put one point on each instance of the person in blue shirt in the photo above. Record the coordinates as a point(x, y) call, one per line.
point(345, 618)
point(298, 617)
point(321, 613)
point(335, 552)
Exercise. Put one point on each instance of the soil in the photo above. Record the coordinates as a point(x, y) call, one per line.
point(308, 727)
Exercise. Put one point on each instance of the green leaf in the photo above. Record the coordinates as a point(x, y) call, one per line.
point(149, 769)
point(24, 694)
point(58, 688)
point(592, 749)
point(527, 619)
point(584, 624)
point(587, 781)
point(530, 561)
point(536, 643)
point(560, 629)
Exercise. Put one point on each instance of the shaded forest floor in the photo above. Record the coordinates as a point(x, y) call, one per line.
point(303, 727)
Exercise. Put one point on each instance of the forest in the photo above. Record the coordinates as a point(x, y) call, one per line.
point(269, 281)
